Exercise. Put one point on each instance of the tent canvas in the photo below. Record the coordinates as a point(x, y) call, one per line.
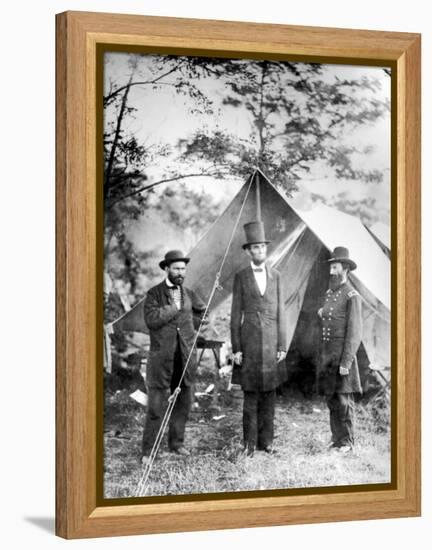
point(382, 234)
point(300, 244)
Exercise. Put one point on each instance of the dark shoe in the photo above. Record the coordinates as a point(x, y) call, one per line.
point(248, 452)
point(182, 451)
point(269, 450)
point(345, 449)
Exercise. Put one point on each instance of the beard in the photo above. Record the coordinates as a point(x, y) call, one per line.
point(258, 261)
point(176, 280)
point(335, 281)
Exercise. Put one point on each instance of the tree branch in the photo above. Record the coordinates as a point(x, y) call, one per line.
point(167, 180)
point(116, 138)
point(154, 81)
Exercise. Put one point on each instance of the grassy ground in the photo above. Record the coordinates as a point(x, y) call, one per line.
point(217, 464)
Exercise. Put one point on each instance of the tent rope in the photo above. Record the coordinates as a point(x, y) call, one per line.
point(142, 485)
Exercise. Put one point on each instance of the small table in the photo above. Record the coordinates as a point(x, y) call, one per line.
point(215, 346)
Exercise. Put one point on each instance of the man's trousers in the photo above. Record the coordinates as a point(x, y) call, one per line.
point(258, 419)
point(341, 406)
point(157, 403)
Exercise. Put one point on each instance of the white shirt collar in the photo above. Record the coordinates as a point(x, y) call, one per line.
point(262, 266)
point(169, 283)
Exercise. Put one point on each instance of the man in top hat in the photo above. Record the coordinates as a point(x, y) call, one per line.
point(169, 312)
point(258, 338)
point(338, 373)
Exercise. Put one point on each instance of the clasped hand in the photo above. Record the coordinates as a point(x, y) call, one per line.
point(238, 357)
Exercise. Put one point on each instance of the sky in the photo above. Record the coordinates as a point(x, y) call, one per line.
point(162, 115)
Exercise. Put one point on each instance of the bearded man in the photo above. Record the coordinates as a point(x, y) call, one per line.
point(169, 312)
point(338, 373)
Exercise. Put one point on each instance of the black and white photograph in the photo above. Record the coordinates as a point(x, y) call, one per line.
point(247, 280)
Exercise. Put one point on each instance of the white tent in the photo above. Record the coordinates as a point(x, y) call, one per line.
point(382, 234)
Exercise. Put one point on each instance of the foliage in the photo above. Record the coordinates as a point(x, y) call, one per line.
point(297, 115)
point(365, 209)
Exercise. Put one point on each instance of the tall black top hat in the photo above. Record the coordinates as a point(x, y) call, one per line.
point(173, 256)
point(341, 254)
point(254, 233)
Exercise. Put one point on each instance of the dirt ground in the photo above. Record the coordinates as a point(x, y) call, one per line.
point(217, 464)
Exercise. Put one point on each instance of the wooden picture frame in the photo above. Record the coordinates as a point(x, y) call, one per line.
point(78, 288)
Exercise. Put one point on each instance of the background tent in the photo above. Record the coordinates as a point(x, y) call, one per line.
point(300, 244)
point(382, 234)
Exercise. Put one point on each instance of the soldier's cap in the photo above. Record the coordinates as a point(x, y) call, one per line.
point(173, 256)
point(341, 255)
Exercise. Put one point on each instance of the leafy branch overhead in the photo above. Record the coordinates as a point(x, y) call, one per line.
point(295, 112)
point(286, 118)
point(297, 117)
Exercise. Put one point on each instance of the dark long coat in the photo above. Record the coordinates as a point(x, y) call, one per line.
point(341, 324)
point(166, 324)
point(258, 330)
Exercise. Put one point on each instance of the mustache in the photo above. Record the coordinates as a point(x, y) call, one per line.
point(176, 279)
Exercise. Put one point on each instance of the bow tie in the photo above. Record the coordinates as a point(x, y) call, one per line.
point(258, 269)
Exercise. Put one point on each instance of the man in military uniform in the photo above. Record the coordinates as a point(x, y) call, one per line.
point(338, 374)
point(258, 338)
point(169, 311)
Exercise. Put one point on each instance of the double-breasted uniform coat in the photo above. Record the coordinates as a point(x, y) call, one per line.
point(258, 330)
point(172, 335)
point(341, 334)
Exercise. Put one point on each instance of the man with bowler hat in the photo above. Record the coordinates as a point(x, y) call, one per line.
point(258, 339)
point(338, 373)
point(169, 312)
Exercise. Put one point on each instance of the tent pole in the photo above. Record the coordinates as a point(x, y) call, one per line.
point(258, 196)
